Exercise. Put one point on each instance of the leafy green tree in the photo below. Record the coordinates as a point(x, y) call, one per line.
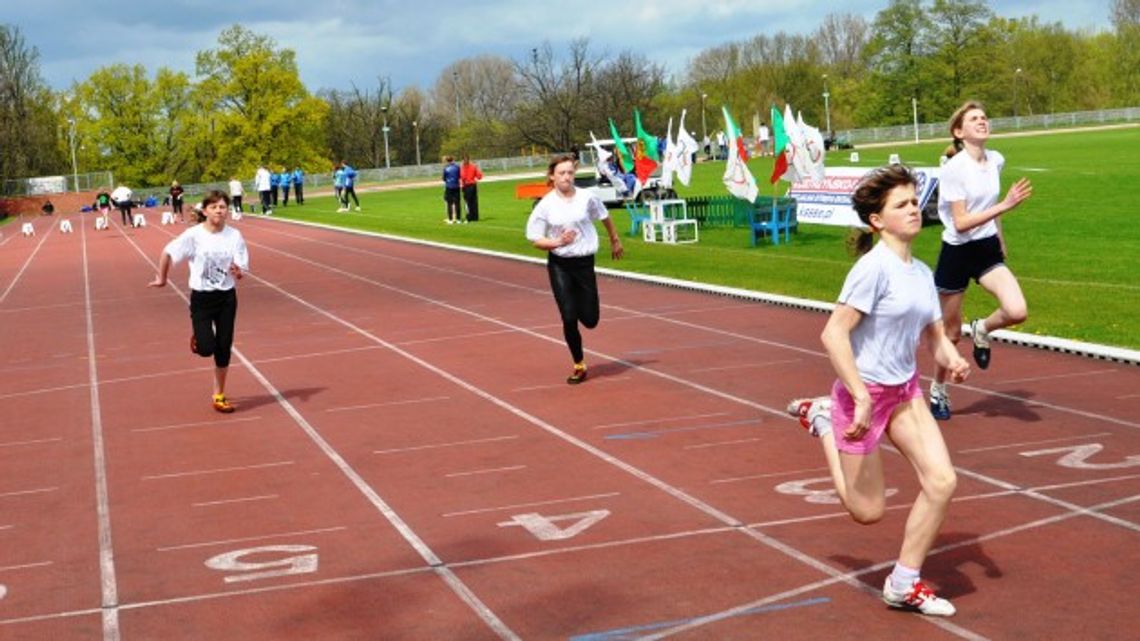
point(898, 56)
point(31, 142)
point(258, 109)
point(959, 50)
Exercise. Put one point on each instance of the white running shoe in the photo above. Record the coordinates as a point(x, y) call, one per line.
point(814, 414)
point(919, 599)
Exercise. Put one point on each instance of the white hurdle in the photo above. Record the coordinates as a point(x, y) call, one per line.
point(27, 229)
point(894, 159)
point(65, 226)
point(138, 220)
point(854, 156)
point(167, 218)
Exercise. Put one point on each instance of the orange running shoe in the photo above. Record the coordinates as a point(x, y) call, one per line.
point(223, 405)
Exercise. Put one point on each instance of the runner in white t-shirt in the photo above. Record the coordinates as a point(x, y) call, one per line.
point(562, 224)
point(218, 259)
point(973, 246)
point(887, 304)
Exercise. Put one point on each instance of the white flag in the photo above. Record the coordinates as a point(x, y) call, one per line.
point(605, 167)
point(737, 178)
point(814, 148)
point(669, 159)
point(686, 147)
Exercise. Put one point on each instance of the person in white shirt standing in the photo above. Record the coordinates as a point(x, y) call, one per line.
point(562, 224)
point(124, 199)
point(973, 246)
point(218, 259)
point(262, 181)
point(888, 302)
point(236, 193)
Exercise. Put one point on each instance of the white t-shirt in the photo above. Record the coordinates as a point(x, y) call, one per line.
point(553, 214)
point(978, 184)
point(236, 188)
point(898, 301)
point(261, 179)
point(122, 194)
point(764, 135)
point(210, 254)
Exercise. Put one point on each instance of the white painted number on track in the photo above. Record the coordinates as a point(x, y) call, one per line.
point(823, 497)
point(544, 529)
point(1078, 455)
point(3, 591)
point(255, 570)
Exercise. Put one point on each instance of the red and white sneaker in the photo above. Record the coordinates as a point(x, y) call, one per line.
point(919, 599)
point(814, 414)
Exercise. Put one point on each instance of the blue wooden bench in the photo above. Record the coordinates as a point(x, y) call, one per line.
point(773, 216)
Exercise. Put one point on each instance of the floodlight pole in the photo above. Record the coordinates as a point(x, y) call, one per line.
point(387, 160)
point(1016, 77)
point(71, 140)
point(416, 130)
point(704, 127)
point(455, 88)
point(914, 110)
point(827, 105)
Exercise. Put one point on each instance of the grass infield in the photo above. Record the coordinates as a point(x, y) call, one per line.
point(1074, 246)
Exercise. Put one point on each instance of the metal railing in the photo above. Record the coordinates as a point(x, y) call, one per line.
point(928, 131)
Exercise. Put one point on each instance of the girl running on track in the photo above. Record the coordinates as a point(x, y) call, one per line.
point(972, 243)
point(218, 259)
point(887, 303)
point(562, 224)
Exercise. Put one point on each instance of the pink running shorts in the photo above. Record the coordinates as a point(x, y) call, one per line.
point(884, 400)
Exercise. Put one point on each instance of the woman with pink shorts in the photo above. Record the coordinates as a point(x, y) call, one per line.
point(887, 304)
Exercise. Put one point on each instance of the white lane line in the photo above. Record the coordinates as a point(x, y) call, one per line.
point(412, 401)
point(263, 497)
point(218, 470)
point(722, 368)
point(753, 477)
point(1010, 381)
point(245, 539)
point(594, 382)
point(39, 490)
point(108, 581)
point(421, 547)
point(7, 527)
point(722, 443)
point(664, 419)
point(492, 470)
point(214, 423)
point(24, 566)
point(416, 448)
point(35, 442)
point(1065, 486)
point(1120, 398)
point(109, 381)
point(1028, 443)
point(500, 508)
point(335, 352)
point(28, 261)
point(455, 337)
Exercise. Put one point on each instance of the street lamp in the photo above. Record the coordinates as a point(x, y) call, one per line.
point(704, 128)
point(416, 130)
point(827, 105)
point(71, 140)
point(455, 87)
point(387, 160)
point(1016, 77)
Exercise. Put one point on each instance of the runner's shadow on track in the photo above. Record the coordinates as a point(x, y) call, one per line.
point(999, 407)
point(946, 570)
point(617, 368)
point(303, 394)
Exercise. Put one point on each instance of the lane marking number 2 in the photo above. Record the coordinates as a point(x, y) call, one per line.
point(303, 560)
point(1078, 455)
point(826, 496)
point(544, 529)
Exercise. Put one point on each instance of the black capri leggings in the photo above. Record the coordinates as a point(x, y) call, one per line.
point(576, 292)
point(212, 313)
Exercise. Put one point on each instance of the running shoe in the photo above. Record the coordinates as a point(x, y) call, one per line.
point(981, 343)
point(193, 344)
point(940, 406)
point(918, 598)
point(578, 375)
point(222, 404)
point(814, 414)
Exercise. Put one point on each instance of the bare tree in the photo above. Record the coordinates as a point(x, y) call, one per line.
point(31, 136)
point(842, 39)
point(556, 96)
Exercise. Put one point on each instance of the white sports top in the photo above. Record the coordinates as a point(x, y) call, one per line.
point(211, 255)
point(553, 214)
point(978, 184)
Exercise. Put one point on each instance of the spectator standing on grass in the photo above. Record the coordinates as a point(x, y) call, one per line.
point(338, 187)
point(888, 302)
point(451, 190)
point(973, 246)
point(176, 192)
point(218, 259)
point(274, 187)
point(764, 134)
point(236, 192)
point(285, 180)
point(469, 176)
point(349, 185)
point(48, 208)
point(562, 225)
point(264, 183)
point(124, 200)
point(299, 185)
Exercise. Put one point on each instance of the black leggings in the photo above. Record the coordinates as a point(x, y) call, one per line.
point(576, 291)
point(348, 192)
point(212, 313)
point(125, 212)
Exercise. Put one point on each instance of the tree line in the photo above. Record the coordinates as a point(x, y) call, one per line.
point(246, 105)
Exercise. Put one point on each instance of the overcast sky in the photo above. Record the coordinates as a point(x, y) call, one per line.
point(342, 42)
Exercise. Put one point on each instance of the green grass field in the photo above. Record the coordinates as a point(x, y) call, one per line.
point(1075, 245)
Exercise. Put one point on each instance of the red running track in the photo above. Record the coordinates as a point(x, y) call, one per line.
point(407, 462)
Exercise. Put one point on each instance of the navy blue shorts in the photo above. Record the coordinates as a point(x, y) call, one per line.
point(957, 264)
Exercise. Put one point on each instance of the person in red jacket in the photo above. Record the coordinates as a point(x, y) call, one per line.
point(469, 174)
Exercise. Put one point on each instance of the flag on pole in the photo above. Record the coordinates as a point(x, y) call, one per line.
point(780, 143)
point(623, 153)
point(813, 147)
point(737, 178)
point(686, 147)
point(606, 168)
point(649, 139)
point(669, 161)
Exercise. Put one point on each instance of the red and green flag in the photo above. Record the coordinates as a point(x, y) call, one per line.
point(649, 139)
point(644, 151)
point(780, 144)
point(619, 146)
